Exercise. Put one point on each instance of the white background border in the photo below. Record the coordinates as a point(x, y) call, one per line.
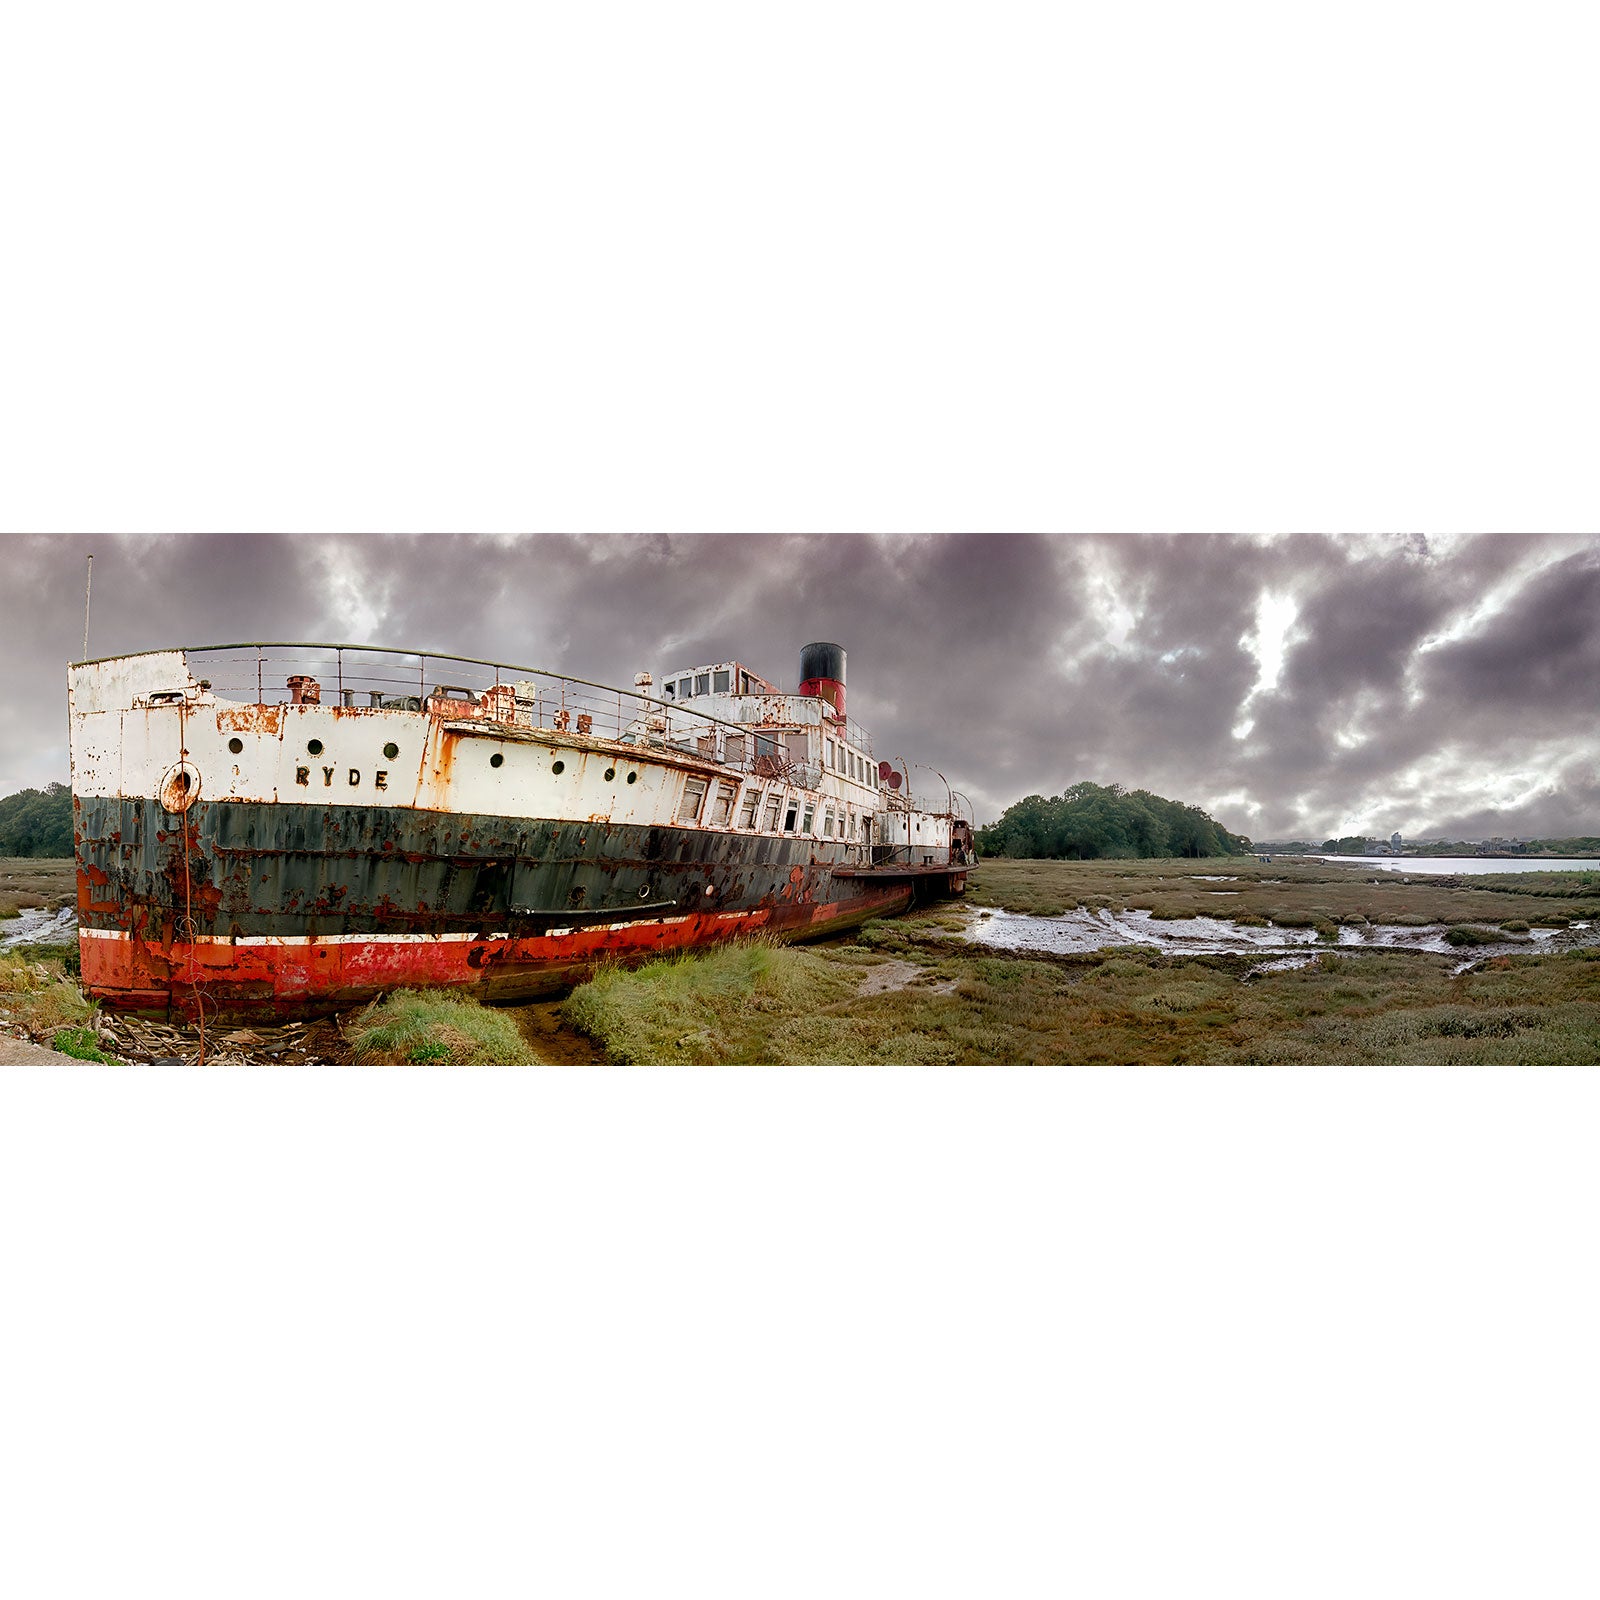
point(876, 266)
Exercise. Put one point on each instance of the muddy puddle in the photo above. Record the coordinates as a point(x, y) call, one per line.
point(35, 926)
point(1081, 931)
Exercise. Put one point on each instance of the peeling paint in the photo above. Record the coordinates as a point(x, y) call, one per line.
point(523, 842)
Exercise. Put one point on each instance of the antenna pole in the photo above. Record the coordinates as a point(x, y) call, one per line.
point(88, 583)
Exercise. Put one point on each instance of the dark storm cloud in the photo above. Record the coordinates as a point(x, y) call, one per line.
point(1181, 673)
point(1424, 683)
point(1539, 657)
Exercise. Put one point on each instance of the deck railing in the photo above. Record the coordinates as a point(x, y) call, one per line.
point(469, 688)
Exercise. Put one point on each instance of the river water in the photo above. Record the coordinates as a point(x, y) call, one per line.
point(1449, 864)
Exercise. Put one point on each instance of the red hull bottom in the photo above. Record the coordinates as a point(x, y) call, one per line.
point(297, 977)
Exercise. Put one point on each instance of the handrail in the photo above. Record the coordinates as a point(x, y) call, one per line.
point(805, 775)
point(423, 656)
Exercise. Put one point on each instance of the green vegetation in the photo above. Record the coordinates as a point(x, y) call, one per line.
point(422, 1027)
point(946, 1003)
point(914, 990)
point(740, 1002)
point(83, 1043)
point(37, 822)
point(1090, 822)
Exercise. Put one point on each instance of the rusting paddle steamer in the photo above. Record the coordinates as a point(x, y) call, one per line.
point(287, 829)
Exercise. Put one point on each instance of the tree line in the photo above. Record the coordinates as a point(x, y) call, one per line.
point(1091, 821)
point(37, 822)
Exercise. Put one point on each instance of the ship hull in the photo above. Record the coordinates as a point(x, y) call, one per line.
point(244, 908)
point(242, 855)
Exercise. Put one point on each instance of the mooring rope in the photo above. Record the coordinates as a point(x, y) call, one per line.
point(188, 905)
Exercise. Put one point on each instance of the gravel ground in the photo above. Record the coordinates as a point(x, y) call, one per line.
point(20, 1053)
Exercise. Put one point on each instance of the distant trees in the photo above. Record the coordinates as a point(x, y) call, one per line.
point(1091, 821)
point(37, 822)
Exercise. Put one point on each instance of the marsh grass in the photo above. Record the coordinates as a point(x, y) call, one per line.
point(1127, 1005)
point(427, 1027)
point(750, 1000)
point(37, 993)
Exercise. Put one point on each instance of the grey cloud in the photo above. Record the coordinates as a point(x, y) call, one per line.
point(956, 645)
point(1538, 657)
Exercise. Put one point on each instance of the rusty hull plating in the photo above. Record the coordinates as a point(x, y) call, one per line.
point(287, 829)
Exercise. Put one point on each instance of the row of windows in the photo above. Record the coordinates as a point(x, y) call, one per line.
point(838, 755)
point(691, 684)
point(796, 813)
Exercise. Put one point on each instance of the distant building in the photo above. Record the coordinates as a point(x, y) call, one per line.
point(1394, 843)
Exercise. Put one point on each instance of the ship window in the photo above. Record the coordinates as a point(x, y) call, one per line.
point(733, 749)
point(684, 689)
point(719, 682)
point(827, 823)
point(747, 811)
point(766, 745)
point(391, 750)
point(724, 806)
point(788, 818)
point(808, 819)
point(773, 803)
point(694, 791)
point(236, 746)
point(667, 692)
point(744, 683)
point(795, 746)
point(702, 683)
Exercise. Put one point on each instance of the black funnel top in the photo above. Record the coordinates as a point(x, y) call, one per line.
point(821, 661)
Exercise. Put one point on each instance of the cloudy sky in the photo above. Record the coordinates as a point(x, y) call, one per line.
point(1292, 685)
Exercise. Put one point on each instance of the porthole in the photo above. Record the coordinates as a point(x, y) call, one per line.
point(633, 777)
point(558, 766)
point(611, 772)
point(391, 751)
point(180, 787)
point(315, 747)
point(497, 760)
point(236, 746)
point(644, 891)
